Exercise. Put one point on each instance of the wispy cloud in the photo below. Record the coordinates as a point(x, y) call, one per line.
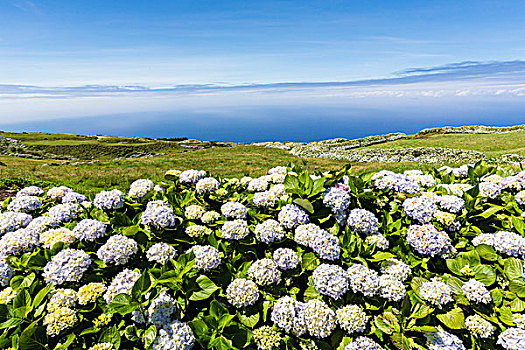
point(490, 77)
point(26, 6)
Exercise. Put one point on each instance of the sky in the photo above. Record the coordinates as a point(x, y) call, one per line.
point(76, 59)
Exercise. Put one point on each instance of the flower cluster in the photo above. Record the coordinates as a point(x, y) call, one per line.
point(141, 187)
point(161, 253)
point(264, 272)
point(420, 208)
point(89, 230)
point(352, 318)
point(242, 292)
point(234, 210)
point(191, 176)
point(363, 221)
point(12, 221)
point(286, 258)
point(108, 200)
point(269, 231)
point(68, 265)
point(479, 327)
point(436, 292)
point(158, 214)
point(330, 280)
point(207, 185)
point(206, 257)
point(24, 204)
point(476, 291)
point(117, 250)
point(292, 216)
point(427, 240)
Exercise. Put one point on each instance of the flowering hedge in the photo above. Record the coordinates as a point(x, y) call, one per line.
point(290, 260)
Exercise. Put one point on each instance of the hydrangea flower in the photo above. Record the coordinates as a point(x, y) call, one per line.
point(476, 291)
point(158, 214)
point(7, 295)
point(292, 216)
point(391, 288)
point(269, 231)
point(242, 292)
point(158, 312)
point(379, 240)
point(420, 208)
point(396, 269)
point(442, 340)
point(64, 212)
point(24, 204)
point(53, 236)
point(363, 280)
point(207, 185)
point(102, 346)
point(6, 272)
point(62, 298)
point(265, 199)
point(520, 198)
point(90, 292)
point(234, 210)
point(68, 265)
point(18, 242)
point(288, 314)
point(41, 224)
point(453, 204)
point(108, 200)
point(363, 221)
point(60, 319)
point(30, 191)
point(479, 327)
point(161, 253)
point(122, 283)
point(337, 199)
point(236, 229)
point(141, 187)
point(509, 243)
point(286, 258)
point(306, 234)
point(427, 240)
point(210, 217)
point(363, 343)
point(489, 189)
point(395, 182)
point(264, 272)
point(73, 197)
point(206, 257)
point(519, 320)
point(191, 176)
point(12, 221)
point(266, 338)
point(197, 231)
point(330, 280)
point(258, 185)
point(194, 212)
point(436, 292)
point(512, 339)
point(319, 319)
point(117, 250)
point(58, 192)
point(89, 230)
point(177, 336)
point(352, 318)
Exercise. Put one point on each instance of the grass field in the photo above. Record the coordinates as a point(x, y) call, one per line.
point(223, 161)
point(490, 144)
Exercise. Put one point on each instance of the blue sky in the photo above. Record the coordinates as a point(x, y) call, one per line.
point(174, 42)
point(72, 59)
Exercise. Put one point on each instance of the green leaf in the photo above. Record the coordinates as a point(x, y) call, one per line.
point(141, 286)
point(207, 288)
point(517, 305)
point(305, 204)
point(65, 345)
point(248, 321)
point(387, 322)
point(513, 268)
point(34, 337)
point(485, 274)
point(122, 304)
point(421, 311)
point(111, 335)
point(310, 261)
point(454, 319)
point(222, 343)
point(455, 285)
point(518, 287)
point(217, 310)
point(491, 211)
point(487, 252)
point(149, 336)
point(41, 295)
point(518, 224)
point(505, 316)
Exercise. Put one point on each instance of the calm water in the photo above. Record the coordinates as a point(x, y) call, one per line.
point(283, 123)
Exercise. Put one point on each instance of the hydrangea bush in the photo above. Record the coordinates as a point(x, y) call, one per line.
point(289, 260)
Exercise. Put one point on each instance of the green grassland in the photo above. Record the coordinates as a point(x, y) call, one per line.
point(105, 161)
point(490, 144)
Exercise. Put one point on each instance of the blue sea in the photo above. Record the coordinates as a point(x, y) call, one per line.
point(291, 123)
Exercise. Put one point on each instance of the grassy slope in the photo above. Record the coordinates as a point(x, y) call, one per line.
point(224, 161)
point(490, 144)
